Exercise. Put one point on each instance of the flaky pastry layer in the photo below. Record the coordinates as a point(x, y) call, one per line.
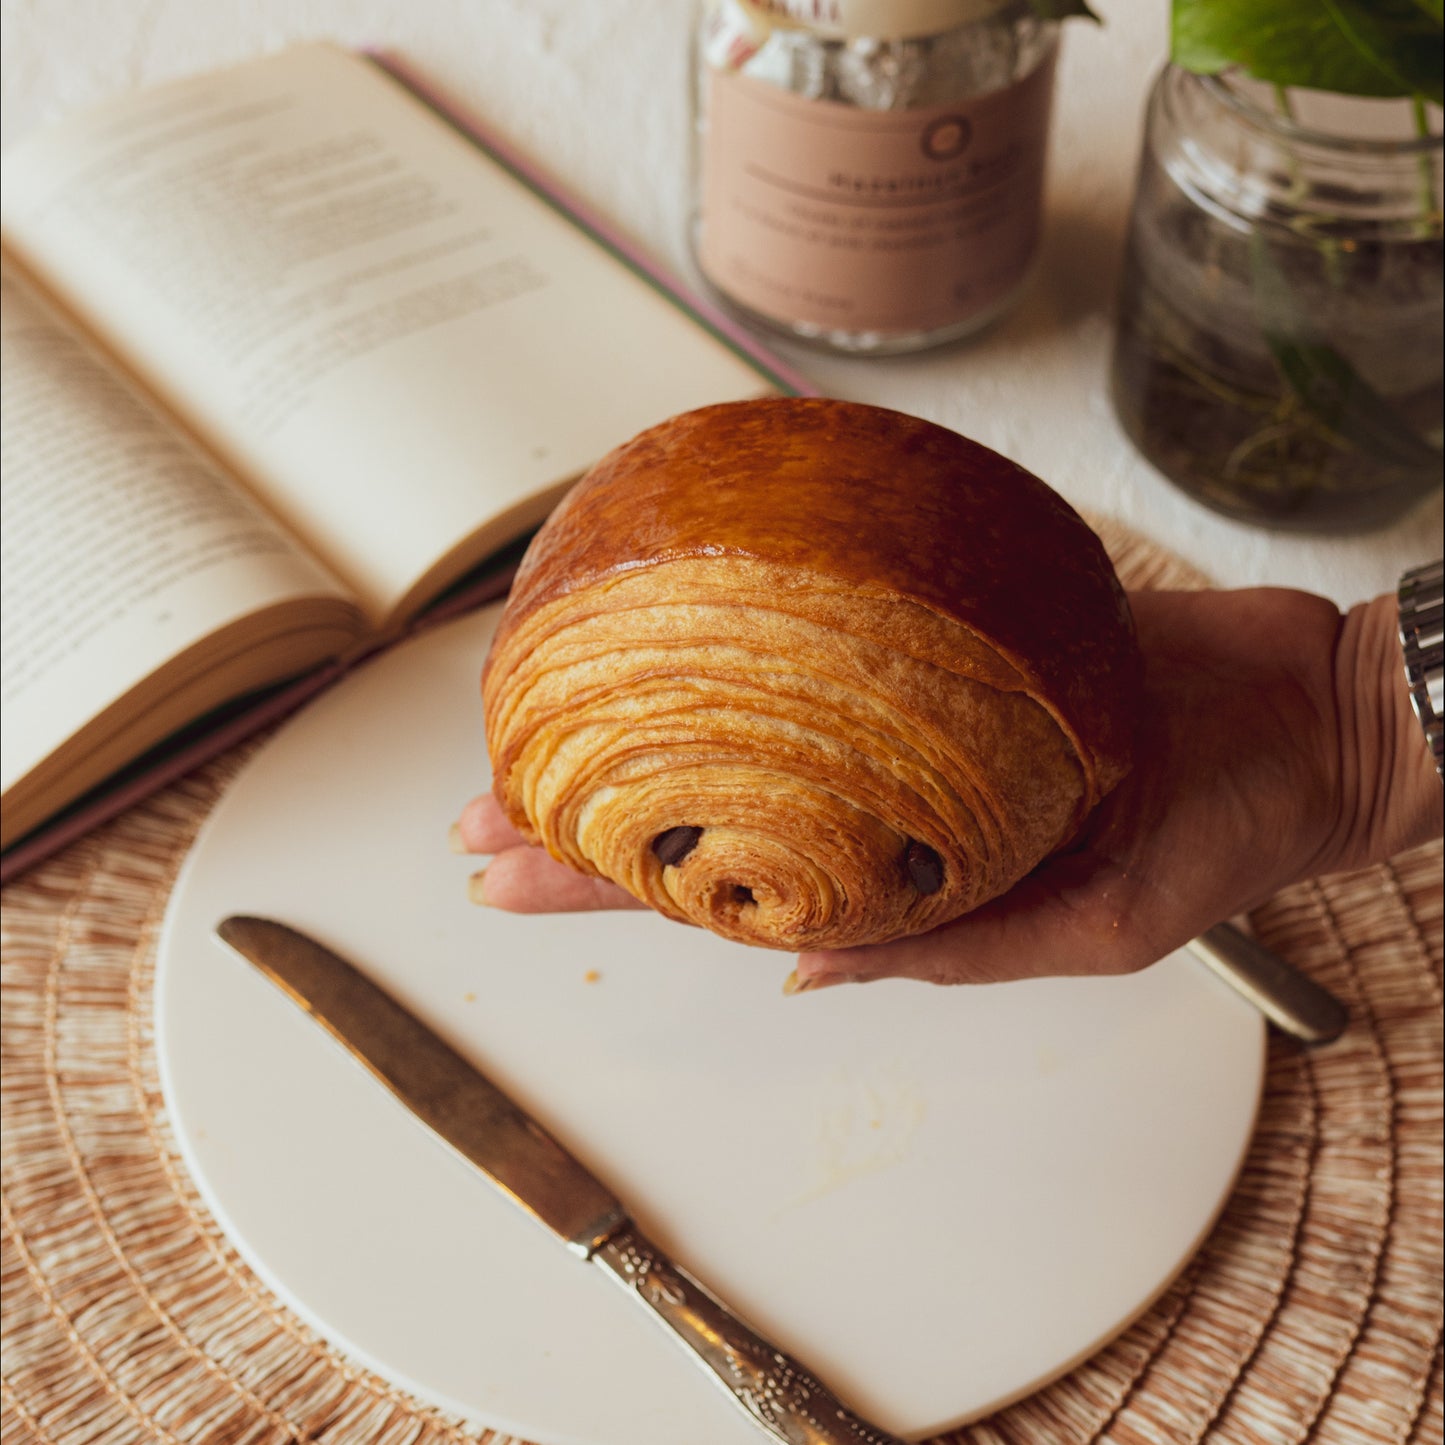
point(794, 727)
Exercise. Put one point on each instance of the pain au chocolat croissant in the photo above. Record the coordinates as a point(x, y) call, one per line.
point(809, 673)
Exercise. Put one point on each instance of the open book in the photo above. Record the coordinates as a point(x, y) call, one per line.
point(287, 356)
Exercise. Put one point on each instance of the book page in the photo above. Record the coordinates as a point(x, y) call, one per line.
point(122, 549)
point(392, 338)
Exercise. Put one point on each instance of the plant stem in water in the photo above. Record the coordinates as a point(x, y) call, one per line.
point(1429, 202)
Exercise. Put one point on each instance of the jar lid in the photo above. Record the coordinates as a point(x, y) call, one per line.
point(878, 19)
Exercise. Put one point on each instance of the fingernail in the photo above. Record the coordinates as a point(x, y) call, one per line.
point(476, 887)
point(807, 983)
point(455, 841)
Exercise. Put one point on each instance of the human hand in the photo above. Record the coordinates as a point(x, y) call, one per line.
point(522, 878)
point(1275, 743)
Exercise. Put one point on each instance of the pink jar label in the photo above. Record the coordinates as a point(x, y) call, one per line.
point(871, 220)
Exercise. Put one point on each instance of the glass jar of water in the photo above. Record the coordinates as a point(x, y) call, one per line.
point(1278, 352)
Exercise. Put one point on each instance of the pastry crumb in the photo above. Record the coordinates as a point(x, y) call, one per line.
point(469, 998)
point(591, 976)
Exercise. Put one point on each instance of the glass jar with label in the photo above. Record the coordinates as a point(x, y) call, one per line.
point(869, 173)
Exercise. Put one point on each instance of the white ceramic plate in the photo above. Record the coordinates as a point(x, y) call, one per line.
point(938, 1199)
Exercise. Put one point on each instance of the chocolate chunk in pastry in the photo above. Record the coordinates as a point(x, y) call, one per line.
point(810, 674)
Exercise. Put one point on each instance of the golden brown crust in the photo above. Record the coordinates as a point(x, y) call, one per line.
point(823, 634)
point(875, 500)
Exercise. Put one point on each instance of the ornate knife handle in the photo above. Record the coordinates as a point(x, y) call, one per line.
point(772, 1388)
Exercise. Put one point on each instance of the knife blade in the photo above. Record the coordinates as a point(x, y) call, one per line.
point(1291, 1001)
point(472, 1116)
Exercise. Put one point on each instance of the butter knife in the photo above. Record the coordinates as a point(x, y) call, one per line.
point(476, 1119)
point(1289, 999)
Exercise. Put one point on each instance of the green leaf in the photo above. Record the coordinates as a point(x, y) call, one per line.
point(1324, 381)
point(1066, 9)
point(1380, 48)
point(1399, 39)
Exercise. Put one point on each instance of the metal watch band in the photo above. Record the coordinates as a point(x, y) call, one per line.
point(1422, 639)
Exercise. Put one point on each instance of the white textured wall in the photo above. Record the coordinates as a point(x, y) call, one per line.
point(597, 89)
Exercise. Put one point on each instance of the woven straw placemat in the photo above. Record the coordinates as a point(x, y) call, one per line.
point(1312, 1313)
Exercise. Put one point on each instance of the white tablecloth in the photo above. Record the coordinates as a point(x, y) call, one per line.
point(597, 91)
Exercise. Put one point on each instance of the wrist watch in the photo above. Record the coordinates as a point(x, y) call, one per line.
point(1422, 637)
